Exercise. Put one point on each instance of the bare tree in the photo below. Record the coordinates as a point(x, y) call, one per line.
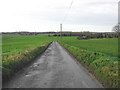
point(116, 28)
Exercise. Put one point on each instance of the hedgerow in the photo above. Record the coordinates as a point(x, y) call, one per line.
point(13, 63)
point(104, 67)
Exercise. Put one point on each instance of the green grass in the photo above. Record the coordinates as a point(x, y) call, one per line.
point(12, 44)
point(0, 52)
point(0, 44)
point(107, 46)
point(98, 55)
point(18, 50)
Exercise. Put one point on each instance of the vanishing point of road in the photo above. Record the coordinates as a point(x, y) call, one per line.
point(55, 68)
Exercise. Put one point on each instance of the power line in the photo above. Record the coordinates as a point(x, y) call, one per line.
point(64, 18)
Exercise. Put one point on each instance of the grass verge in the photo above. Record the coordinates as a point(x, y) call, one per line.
point(12, 64)
point(102, 66)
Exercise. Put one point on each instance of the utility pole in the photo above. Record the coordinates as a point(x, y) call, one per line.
point(61, 31)
point(57, 35)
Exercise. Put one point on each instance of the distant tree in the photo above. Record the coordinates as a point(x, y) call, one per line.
point(116, 28)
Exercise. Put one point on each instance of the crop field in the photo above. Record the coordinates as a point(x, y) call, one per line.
point(98, 55)
point(18, 50)
point(107, 46)
point(12, 44)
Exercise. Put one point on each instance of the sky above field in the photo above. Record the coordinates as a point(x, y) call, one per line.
point(46, 15)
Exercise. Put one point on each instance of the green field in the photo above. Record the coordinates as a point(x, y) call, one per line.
point(99, 55)
point(18, 50)
point(12, 44)
point(107, 46)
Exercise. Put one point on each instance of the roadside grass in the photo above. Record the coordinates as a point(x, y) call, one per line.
point(19, 50)
point(100, 62)
point(0, 54)
point(98, 55)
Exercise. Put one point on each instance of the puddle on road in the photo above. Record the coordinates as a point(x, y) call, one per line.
point(32, 73)
point(35, 65)
point(28, 75)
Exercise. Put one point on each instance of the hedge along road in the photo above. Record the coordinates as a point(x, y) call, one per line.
point(54, 69)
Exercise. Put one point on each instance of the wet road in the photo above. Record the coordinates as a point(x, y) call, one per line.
point(54, 69)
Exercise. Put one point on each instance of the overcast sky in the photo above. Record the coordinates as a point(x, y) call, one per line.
point(46, 15)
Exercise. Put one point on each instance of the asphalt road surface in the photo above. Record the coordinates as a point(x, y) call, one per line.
point(54, 69)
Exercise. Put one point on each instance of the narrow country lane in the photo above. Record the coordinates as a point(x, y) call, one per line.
point(54, 69)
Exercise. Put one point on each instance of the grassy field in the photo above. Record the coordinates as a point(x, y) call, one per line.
point(18, 50)
point(107, 46)
point(13, 44)
point(98, 55)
